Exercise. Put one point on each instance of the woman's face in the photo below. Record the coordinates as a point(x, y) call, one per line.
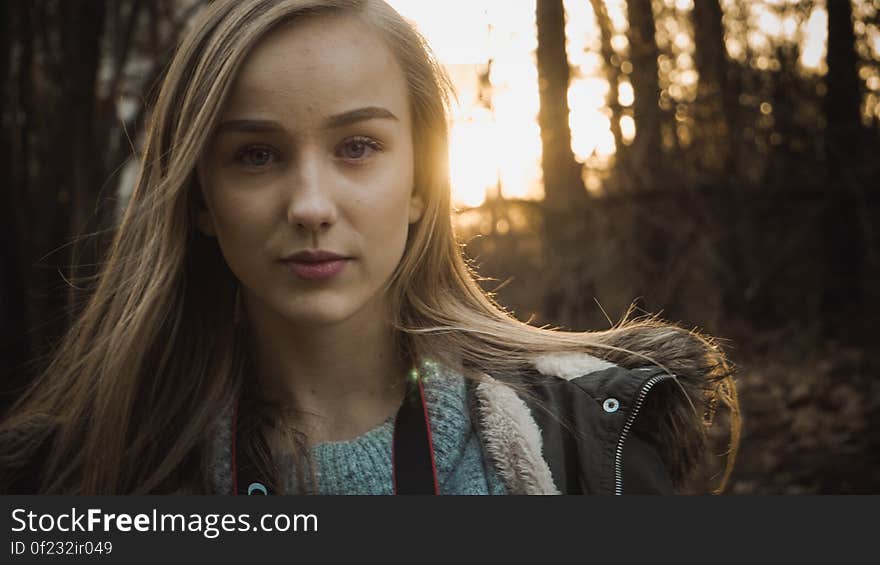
point(314, 151)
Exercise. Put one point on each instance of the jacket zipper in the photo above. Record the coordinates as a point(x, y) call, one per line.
point(618, 455)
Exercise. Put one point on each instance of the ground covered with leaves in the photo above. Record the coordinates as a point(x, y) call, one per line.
point(811, 416)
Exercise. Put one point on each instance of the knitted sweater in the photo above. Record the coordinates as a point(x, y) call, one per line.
point(363, 465)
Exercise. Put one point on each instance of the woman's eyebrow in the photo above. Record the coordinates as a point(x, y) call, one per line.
point(359, 115)
point(333, 122)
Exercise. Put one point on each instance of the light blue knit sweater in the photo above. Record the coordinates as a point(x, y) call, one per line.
point(363, 465)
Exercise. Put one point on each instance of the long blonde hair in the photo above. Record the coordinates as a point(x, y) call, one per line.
point(130, 399)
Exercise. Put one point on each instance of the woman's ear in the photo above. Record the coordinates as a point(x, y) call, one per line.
point(416, 208)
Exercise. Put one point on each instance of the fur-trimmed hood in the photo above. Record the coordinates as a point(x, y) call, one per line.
point(579, 424)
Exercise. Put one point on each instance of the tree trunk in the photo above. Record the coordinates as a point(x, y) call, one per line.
point(645, 158)
point(82, 32)
point(565, 195)
point(844, 244)
point(14, 338)
point(563, 185)
point(716, 99)
point(844, 96)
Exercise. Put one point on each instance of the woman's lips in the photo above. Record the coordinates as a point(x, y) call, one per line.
point(316, 270)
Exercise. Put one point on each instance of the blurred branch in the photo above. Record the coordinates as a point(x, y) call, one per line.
point(612, 70)
point(120, 55)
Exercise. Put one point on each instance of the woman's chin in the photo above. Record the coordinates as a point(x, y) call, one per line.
point(321, 314)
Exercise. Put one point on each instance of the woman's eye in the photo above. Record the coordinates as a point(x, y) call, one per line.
point(358, 148)
point(257, 156)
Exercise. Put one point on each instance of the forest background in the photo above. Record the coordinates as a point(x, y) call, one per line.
point(727, 179)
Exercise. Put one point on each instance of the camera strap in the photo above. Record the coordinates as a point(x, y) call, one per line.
point(413, 468)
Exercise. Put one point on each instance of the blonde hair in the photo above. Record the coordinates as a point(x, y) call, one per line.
point(153, 352)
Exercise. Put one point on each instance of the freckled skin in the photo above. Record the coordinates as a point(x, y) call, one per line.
point(319, 189)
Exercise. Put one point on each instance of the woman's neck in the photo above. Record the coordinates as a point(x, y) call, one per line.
point(340, 380)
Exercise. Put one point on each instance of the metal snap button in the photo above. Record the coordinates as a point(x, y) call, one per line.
point(257, 488)
point(611, 405)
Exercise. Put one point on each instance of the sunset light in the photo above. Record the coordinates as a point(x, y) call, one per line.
point(495, 138)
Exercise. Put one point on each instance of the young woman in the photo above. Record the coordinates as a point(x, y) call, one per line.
point(285, 308)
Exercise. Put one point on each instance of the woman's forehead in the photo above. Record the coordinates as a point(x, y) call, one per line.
point(319, 67)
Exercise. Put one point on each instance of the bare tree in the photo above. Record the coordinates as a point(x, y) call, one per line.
point(645, 155)
point(717, 98)
point(843, 237)
point(14, 343)
point(563, 185)
point(564, 208)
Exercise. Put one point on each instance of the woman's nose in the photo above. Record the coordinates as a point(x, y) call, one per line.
point(311, 204)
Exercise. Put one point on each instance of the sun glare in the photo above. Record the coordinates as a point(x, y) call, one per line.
point(495, 141)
